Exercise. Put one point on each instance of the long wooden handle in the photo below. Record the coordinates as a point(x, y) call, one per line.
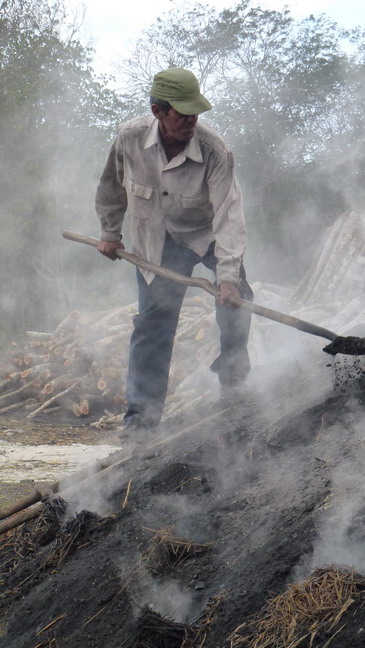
point(205, 284)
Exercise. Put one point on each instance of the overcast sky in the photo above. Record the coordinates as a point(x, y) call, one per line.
point(114, 24)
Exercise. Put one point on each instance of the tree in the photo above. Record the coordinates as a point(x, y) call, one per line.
point(178, 39)
point(57, 121)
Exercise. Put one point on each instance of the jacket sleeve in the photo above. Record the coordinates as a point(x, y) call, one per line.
point(228, 222)
point(111, 197)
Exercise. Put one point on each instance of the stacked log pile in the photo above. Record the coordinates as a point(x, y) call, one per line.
point(81, 367)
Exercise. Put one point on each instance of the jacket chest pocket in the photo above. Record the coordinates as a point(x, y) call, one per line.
point(196, 209)
point(138, 198)
point(197, 202)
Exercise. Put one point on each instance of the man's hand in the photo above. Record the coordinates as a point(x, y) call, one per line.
point(108, 248)
point(227, 289)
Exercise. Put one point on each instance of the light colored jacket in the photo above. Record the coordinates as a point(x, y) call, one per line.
point(195, 196)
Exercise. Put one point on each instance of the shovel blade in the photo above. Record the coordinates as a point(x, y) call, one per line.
point(347, 345)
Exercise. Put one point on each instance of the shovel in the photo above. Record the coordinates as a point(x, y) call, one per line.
point(347, 345)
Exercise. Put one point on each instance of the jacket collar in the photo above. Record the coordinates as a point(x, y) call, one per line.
point(192, 150)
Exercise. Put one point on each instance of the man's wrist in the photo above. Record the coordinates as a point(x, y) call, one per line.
point(233, 282)
point(110, 236)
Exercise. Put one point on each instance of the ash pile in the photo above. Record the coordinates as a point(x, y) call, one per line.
point(248, 530)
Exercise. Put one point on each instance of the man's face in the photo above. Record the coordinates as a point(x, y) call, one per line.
point(175, 126)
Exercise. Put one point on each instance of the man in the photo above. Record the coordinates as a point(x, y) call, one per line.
point(176, 177)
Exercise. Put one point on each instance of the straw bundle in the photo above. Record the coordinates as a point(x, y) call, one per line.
point(302, 611)
point(166, 550)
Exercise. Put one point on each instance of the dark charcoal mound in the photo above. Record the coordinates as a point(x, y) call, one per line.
point(259, 497)
point(183, 478)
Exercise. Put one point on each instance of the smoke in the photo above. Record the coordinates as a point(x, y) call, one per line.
point(95, 497)
point(95, 491)
point(57, 126)
point(168, 598)
point(340, 520)
point(185, 516)
point(48, 277)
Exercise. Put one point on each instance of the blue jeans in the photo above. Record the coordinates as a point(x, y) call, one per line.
point(155, 327)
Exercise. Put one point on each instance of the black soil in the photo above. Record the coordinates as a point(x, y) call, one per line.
point(247, 492)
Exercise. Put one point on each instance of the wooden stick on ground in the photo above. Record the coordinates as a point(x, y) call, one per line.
point(127, 494)
point(20, 517)
point(23, 503)
point(54, 398)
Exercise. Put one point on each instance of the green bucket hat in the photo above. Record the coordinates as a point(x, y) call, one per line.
point(181, 89)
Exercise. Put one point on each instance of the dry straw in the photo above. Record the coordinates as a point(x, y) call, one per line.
point(166, 550)
point(302, 611)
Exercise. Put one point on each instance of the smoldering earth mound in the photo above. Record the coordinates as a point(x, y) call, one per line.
point(192, 543)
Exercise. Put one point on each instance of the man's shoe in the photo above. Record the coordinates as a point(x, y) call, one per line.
point(136, 430)
point(139, 450)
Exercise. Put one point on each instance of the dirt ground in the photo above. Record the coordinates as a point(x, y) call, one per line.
point(19, 430)
point(182, 546)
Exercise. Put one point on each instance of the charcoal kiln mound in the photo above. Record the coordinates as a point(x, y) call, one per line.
point(247, 529)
